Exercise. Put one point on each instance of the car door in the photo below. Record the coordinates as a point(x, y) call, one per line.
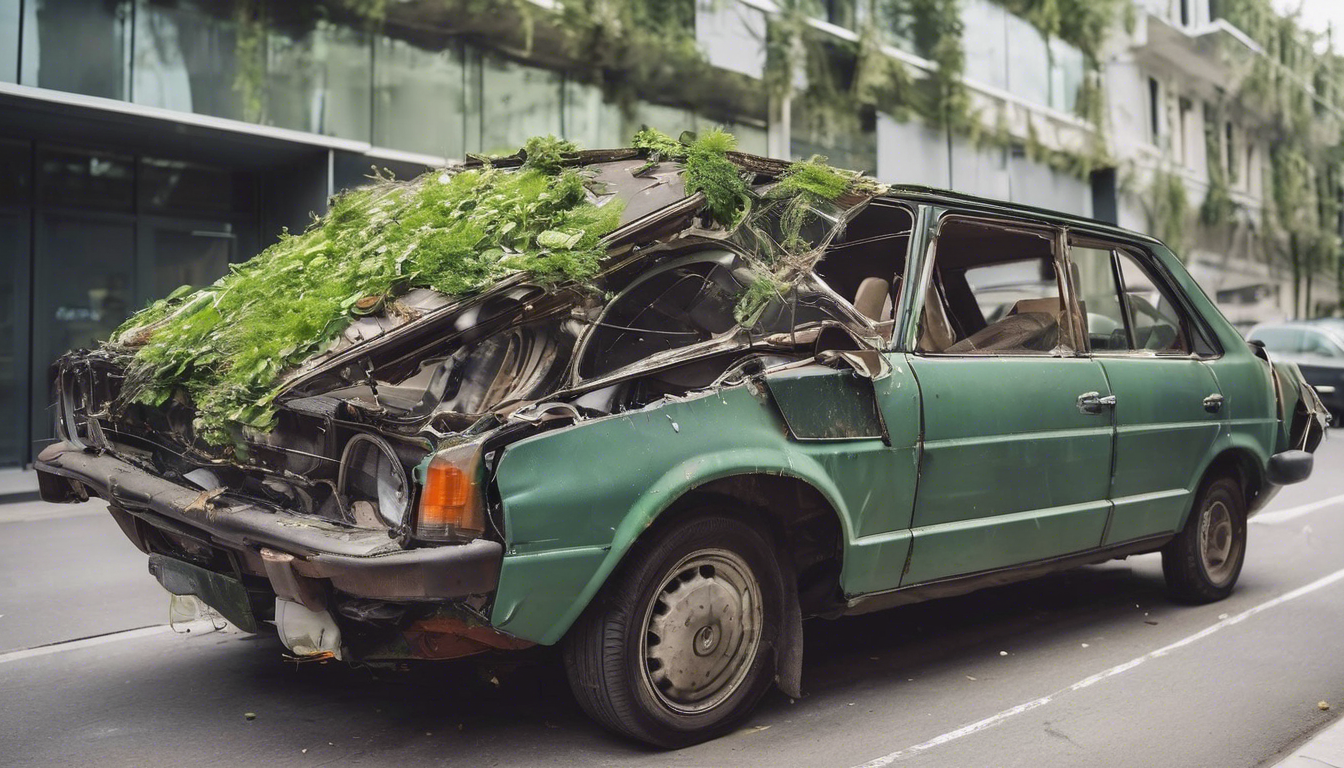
point(1015, 463)
point(1168, 405)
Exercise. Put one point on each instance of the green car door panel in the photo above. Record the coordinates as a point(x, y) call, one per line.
point(1164, 435)
point(1013, 470)
point(575, 499)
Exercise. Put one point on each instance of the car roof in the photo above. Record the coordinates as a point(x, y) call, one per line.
point(950, 198)
point(770, 167)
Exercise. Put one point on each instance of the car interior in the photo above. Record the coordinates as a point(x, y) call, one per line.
point(994, 290)
point(866, 262)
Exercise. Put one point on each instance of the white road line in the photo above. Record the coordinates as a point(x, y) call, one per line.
point(111, 637)
point(994, 720)
point(1292, 513)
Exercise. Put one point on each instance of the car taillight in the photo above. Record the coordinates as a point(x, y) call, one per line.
point(452, 502)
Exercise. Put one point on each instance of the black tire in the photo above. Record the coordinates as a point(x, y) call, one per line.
point(605, 652)
point(1205, 575)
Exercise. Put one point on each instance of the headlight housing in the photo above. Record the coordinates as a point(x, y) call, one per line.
point(452, 501)
point(372, 473)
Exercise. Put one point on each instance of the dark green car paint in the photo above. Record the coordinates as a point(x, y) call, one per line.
point(987, 463)
point(1008, 456)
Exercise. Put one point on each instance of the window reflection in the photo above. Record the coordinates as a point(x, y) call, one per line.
point(985, 36)
point(1028, 61)
point(517, 102)
point(590, 120)
point(316, 79)
point(175, 187)
point(853, 146)
point(186, 58)
point(9, 40)
point(72, 178)
point(418, 97)
point(77, 46)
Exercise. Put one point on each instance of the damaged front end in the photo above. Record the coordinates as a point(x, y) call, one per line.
point(365, 522)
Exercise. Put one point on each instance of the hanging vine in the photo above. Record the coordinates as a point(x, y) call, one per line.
point(1297, 83)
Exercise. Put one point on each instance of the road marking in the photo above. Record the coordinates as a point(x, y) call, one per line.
point(111, 637)
point(1292, 513)
point(995, 719)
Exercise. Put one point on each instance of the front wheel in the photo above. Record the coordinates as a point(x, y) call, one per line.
point(1203, 562)
point(680, 647)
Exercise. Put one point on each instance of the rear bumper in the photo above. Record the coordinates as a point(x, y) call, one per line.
point(302, 552)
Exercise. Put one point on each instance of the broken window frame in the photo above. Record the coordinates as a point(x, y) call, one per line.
point(932, 219)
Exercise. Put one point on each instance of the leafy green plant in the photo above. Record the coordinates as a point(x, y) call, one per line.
point(708, 170)
point(225, 347)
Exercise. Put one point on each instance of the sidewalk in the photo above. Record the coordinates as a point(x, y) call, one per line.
point(1325, 749)
point(18, 485)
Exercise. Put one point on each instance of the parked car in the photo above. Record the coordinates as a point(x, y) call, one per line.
point(1317, 347)
point(666, 481)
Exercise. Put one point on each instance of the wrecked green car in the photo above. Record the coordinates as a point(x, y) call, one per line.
point(707, 397)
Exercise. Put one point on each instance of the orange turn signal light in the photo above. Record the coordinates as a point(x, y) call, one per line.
point(451, 507)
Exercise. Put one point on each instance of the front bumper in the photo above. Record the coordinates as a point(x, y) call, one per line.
point(302, 555)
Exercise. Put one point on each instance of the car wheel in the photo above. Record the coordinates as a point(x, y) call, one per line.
point(680, 646)
point(1203, 562)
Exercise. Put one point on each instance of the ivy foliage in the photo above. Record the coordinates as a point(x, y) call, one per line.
point(1299, 82)
point(225, 346)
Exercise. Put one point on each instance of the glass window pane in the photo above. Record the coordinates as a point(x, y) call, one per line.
point(418, 98)
point(186, 58)
point(9, 40)
point(16, 177)
point(75, 178)
point(83, 288)
point(1099, 298)
point(853, 147)
point(316, 79)
point(14, 298)
point(590, 120)
point(518, 102)
point(1028, 61)
point(172, 186)
point(1156, 322)
point(77, 46)
point(670, 120)
point(1066, 76)
point(985, 39)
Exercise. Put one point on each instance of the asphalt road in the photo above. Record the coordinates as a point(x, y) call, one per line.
point(1091, 668)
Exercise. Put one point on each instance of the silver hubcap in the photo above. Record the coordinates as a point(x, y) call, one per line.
point(1217, 545)
point(701, 631)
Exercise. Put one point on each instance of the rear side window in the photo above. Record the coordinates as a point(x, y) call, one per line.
point(1287, 340)
point(1156, 325)
point(1124, 308)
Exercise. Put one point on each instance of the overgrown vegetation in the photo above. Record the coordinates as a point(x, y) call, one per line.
point(225, 347)
point(1297, 81)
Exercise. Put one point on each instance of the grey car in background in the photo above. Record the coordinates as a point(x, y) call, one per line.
point(1317, 347)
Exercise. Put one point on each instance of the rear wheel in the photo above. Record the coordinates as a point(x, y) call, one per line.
point(1203, 562)
point(680, 647)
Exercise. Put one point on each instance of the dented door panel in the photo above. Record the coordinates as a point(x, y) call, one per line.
point(570, 518)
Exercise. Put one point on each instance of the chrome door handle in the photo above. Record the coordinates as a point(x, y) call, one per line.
point(1213, 403)
point(1093, 402)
